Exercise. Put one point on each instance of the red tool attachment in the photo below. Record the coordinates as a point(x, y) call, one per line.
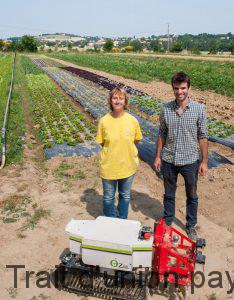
point(174, 255)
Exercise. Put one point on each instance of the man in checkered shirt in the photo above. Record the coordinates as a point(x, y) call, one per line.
point(182, 128)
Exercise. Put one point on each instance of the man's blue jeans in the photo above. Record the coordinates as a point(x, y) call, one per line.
point(190, 173)
point(109, 189)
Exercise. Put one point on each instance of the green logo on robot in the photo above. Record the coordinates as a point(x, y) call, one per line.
point(114, 263)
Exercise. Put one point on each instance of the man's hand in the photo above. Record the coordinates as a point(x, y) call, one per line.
point(157, 164)
point(203, 169)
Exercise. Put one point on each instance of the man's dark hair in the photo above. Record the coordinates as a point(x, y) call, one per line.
point(180, 77)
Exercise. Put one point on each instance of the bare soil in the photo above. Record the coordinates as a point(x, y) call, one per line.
point(39, 247)
point(38, 198)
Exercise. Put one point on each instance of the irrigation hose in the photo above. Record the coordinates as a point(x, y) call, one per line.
point(3, 159)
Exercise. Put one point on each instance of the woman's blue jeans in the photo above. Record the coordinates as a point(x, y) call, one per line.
point(109, 189)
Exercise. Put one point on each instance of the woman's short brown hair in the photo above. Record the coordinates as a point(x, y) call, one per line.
point(118, 90)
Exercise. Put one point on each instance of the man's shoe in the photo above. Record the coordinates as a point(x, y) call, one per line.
point(191, 233)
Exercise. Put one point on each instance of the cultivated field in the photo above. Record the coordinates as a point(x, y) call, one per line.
point(205, 75)
point(53, 176)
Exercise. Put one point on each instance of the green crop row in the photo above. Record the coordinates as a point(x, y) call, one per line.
point(15, 124)
point(29, 66)
point(205, 75)
point(220, 129)
point(59, 122)
point(16, 118)
point(147, 104)
point(5, 80)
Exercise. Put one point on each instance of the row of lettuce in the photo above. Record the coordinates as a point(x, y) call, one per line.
point(55, 116)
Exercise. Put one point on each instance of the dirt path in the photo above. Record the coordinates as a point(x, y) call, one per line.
point(218, 106)
point(38, 199)
point(50, 188)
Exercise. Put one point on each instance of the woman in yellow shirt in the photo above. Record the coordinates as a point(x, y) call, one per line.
point(118, 132)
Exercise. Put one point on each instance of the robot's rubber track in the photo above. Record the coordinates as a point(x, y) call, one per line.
point(80, 282)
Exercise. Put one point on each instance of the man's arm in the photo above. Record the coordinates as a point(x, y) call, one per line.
point(203, 141)
point(157, 159)
point(203, 169)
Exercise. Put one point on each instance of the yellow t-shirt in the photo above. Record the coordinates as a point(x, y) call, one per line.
point(119, 155)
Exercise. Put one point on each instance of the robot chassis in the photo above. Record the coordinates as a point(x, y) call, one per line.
point(113, 258)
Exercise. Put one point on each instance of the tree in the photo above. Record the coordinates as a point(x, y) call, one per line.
point(42, 48)
point(29, 43)
point(155, 46)
point(108, 46)
point(16, 45)
point(96, 48)
point(83, 44)
point(196, 51)
point(69, 47)
point(213, 50)
point(1, 45)
point(232, 48)
point(177, 47)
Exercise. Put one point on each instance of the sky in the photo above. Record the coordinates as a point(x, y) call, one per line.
point(117, 18)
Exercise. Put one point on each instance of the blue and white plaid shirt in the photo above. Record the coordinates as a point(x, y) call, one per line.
point(182, 132)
